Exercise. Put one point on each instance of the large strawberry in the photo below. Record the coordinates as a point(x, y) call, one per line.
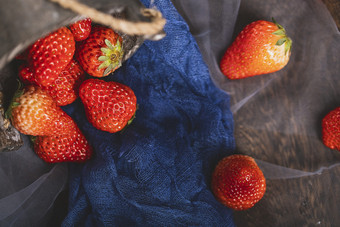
point(262, 47)
point(109, 106)
point(81, 29)
point(331, 129)
point(237, 182)
point(34, 112)
point(72, 147)
point(101, 53)
point(48, 56)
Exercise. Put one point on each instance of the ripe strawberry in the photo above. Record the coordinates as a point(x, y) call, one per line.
point(262, 47)
point(48, 56)
point(72, 147)
point(81, 29)
point(331, 129)
point(109, 106)
point(237, 182)
point(64, 90)
point(101, 53)
point(34, 112)
point(26, 75)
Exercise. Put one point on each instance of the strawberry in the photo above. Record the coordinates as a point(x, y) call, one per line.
point(34, 112)
point(48, 56)
point(81, 29)
point(262, 47)
point(331, 129)
point(237, 182)
point(72, 147)
point(109, 106)
point(26, 75)
point(64, 90)
point(101, 53)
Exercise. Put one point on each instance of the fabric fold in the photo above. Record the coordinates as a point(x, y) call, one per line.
point(157, 171)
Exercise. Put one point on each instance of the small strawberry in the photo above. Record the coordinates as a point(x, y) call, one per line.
point(331, 129)
point(262, 47)
point(26, 75)
point(237, 182)
point(109, 106)
point(81, 29)
point(48, 56)
point(64, 90)
point(101, 53)
point(34, 112)
point(72, 147)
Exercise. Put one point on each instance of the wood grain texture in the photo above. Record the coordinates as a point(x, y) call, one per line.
point(290, 135)
point(334, 8)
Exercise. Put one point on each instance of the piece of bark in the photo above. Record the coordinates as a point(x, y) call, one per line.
point(10, 138)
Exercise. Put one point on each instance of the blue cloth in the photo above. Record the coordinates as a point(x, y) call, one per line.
point(157, 171)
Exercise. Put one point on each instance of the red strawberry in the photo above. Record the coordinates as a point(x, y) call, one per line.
point(331, 129)
point(64, 89)
point(262, 47)
point(109, 106)
point(71, 147)
point(81, 29)
point(26, 75)
point(48, 56)
point(101, 53)
point(237, 182)
point(34, 112)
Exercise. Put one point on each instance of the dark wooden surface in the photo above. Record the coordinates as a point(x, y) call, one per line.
point(310, 200)
point(334, 8)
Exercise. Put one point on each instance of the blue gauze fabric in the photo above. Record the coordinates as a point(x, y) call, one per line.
point(157, 171)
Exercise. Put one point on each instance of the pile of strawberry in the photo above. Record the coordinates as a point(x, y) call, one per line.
point(54, 72)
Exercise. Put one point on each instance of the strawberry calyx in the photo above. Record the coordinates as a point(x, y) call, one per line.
point(133, 116)
point(284, 39)
point(131, 120)
point(33, 139)
point(112, 58)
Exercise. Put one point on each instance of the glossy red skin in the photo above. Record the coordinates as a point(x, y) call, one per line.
point(331, 129)
point(254, 52)
point(109, 106)
point(37, 114)
point(65, 88)
point(89, 50)
point(48, 56)
point(26, 75)
point(237, 182)
point(81, 29)
point(72, 147)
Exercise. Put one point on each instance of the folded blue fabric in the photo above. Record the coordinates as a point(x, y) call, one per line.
point(157, 171)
